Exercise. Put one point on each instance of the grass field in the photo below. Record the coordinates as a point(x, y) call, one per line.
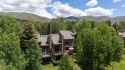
point(50, 67)
point(117, 66)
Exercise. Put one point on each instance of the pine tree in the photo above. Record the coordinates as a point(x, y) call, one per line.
point(35, 55)
point(65, 63)
point(27, 34)
point(30, 47)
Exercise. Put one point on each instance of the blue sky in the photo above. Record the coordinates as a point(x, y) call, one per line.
point(65, 8)
point(107, 4)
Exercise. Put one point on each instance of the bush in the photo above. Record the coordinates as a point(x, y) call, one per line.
point(55, 63)
point(124, 51)
point(76, 67)
point(65, 63)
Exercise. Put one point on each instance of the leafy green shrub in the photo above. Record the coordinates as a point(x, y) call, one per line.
point(76, 67)
point(55, 63)
point(65, 63)
point(124, 50)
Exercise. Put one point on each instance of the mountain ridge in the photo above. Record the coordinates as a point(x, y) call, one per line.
point(23, 16)
point(98, 18)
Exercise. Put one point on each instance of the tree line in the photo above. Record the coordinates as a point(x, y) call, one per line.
point(19, 49)
point(97, 43)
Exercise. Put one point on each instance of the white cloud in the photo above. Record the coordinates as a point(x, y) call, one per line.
point(39, 7)
point(123, 5)
point(1, 9)
point(92, 3)
point(99, 11)
point(116, 1)
point(64, 10)
point(32, 6)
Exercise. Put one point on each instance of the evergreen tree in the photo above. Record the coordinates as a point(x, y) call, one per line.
point(57, 24)
point(11, 52)
point(35, 55)
point(65, 63)
point(108, 22)
point(3, 66)
point(30, 47)
point(54, 28)
point(70, 25)
point(27, 34)
point(122, 24)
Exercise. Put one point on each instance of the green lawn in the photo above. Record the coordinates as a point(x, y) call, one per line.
point(49, 67)
point(118, 66)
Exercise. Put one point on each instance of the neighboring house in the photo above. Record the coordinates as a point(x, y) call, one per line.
point(55, 45)
point(45, 47)
point(122, 33)
point(68, 39)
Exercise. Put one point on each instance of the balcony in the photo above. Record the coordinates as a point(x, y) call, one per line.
point(47, 55)
point(58, 53)
point(68, 45)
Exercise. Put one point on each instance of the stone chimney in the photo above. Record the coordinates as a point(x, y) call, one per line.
point(50, 42)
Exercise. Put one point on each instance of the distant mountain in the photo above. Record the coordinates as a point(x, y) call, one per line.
point(119, 18)
point(25, 16)
point(72, 18)
point(98, 19)
point(35, 18)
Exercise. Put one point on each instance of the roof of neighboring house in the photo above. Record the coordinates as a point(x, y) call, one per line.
point(38, 37)
point(67, 34)
point(55, 38)
point(121, 33)
point(44, 40)
point(74, 32)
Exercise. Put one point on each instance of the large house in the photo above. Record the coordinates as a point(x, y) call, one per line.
point(55, 45)
point(122, 34)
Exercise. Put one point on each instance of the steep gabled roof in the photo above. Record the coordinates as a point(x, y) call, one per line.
point(44, 40)
point(121, 33)
point(38, 37)
point(55, 38)
point(67, 34)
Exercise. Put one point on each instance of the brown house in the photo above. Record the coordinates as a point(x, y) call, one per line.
point(55, 45)
point(122, 34)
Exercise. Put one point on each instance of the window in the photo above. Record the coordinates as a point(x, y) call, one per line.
point(67, 42)
point(44, 50)
point(67, 48)
point(57, 48)
point(58, 57)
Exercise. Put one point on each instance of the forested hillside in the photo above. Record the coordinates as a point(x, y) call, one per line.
point(25, 16)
